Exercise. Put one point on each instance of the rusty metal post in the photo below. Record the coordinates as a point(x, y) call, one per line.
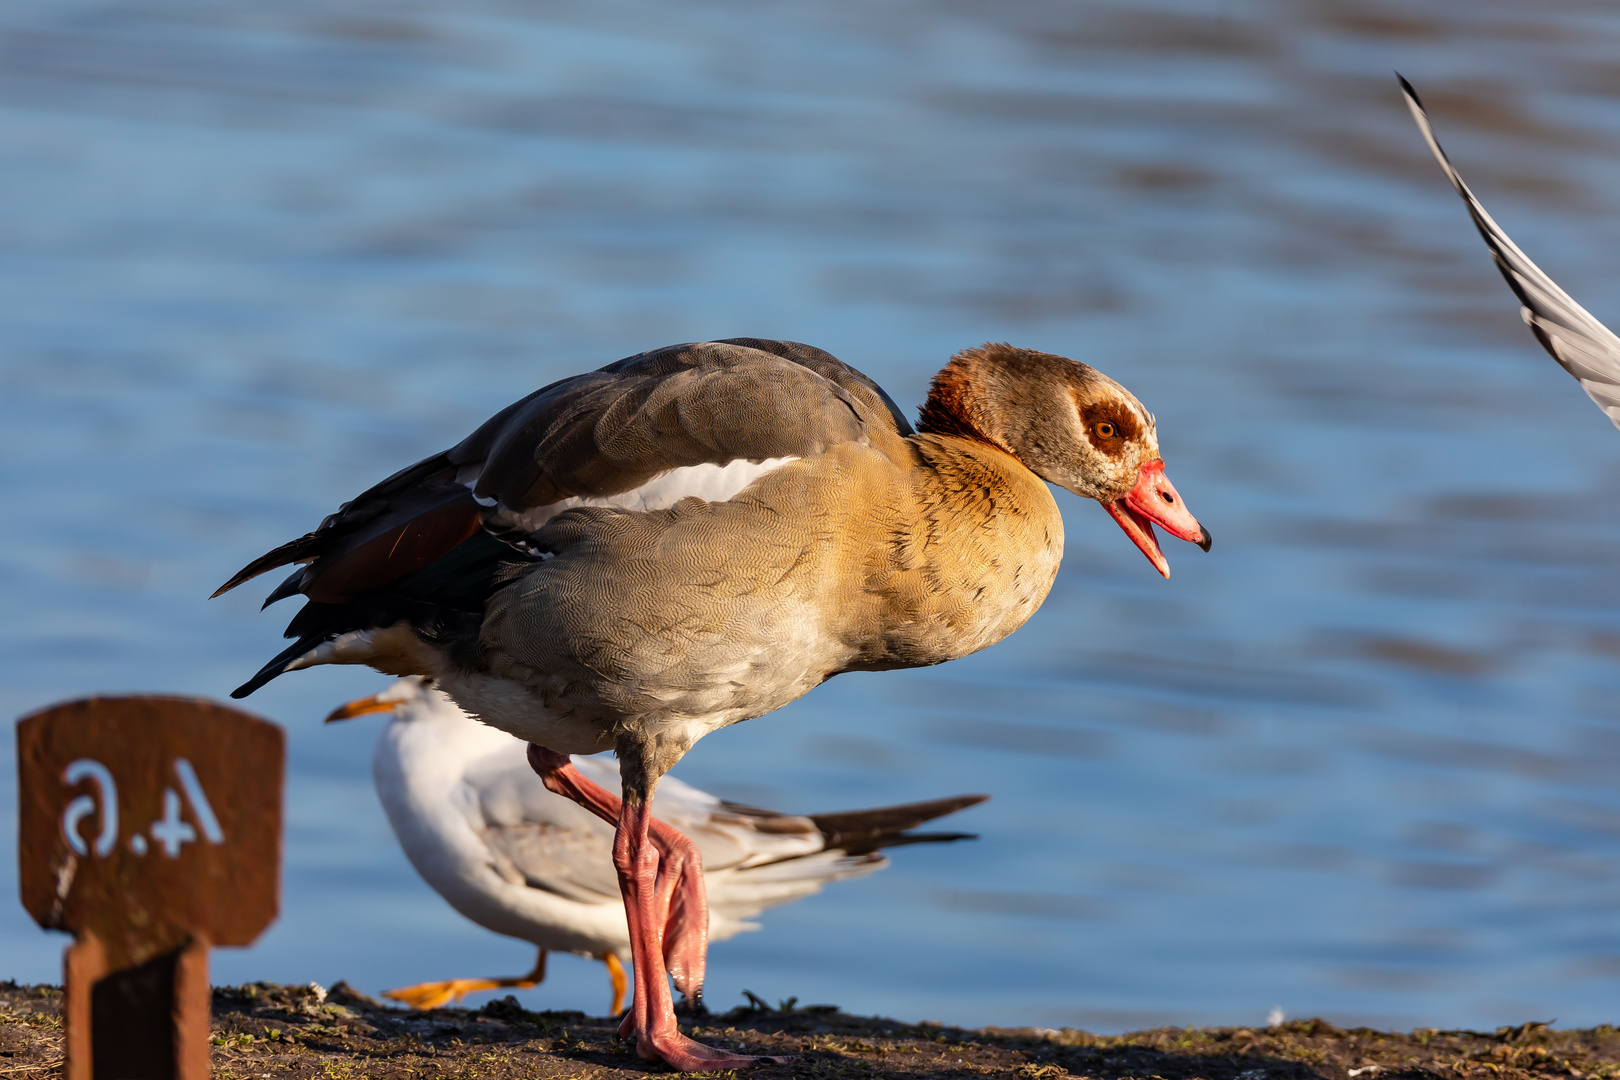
point(150, 828)
point(193, 1008)
point(83, 963)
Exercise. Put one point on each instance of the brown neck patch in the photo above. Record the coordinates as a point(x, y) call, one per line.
point(957, 401)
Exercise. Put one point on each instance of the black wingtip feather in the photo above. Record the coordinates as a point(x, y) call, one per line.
point(1411, 92)
point(860, 831)
point(920, 838)
point(290, 587)
point(290, 552)
point(278, 666)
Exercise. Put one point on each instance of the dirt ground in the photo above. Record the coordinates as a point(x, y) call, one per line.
point(265, 1030)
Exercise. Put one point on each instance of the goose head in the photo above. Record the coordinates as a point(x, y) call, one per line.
point(1072, 426)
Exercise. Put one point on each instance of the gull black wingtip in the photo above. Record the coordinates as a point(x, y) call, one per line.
point(1578, 341)
point(1409, 89)
point(1420, 116)
point(907, 839)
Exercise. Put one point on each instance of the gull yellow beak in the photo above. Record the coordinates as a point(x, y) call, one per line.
point(359, 707)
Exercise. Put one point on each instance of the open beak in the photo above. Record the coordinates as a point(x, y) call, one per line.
point(359, 707)
point(1154, 500)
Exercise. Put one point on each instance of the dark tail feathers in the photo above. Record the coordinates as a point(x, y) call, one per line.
point(859, 832)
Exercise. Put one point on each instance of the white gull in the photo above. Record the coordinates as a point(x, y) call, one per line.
point(478, 824)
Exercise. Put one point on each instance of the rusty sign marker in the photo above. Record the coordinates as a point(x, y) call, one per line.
point(149, 828)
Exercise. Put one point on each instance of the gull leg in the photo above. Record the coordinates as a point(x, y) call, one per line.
point(656, 864)
point(616, 973)
point(436, 995)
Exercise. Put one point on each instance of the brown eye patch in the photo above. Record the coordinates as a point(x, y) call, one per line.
point(1111, 424)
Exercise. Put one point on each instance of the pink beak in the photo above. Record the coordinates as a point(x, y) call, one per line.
point(1154, 499)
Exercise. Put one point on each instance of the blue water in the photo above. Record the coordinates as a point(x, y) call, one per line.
point(1361, 761)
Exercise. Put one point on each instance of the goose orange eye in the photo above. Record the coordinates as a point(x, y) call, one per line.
point(1104, 430)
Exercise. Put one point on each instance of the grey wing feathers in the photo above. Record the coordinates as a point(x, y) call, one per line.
point(572, 864)
point(735, 895)
point(753, 859)
point(729, 838)
point(711, 402)
point(1584, 347)
point(541, 838)
point(555, 845)
point(590, 436)
point(832, 369)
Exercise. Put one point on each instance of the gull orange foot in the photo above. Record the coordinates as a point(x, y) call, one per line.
point(436, 995)
point(620, 982)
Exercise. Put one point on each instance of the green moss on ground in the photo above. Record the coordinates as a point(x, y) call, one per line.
point(265, 1030)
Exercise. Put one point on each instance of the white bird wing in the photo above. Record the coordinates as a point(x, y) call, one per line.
point(750, 856)
point(1584, 347)
point(737, 895)
point(728, 835)
point(537, 837)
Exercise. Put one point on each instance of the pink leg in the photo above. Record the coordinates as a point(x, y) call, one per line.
point(661, 877)
point(681, 888)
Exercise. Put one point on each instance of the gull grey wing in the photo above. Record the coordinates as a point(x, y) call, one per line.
point(556, 845)
point(738, 895)
point(851, 841)
point(1584, 347)
point(542, 838)
point(570, 864)
point(728, 836)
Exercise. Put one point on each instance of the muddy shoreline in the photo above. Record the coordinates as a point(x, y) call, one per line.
point(264, 1029)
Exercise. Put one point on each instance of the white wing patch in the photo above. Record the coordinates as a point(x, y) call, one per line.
point(709, 482)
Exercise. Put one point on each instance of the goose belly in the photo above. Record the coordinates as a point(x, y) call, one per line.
point(694, 617)
point(514, 707)
point(694, 681)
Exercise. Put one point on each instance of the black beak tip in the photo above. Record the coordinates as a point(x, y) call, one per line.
point(1203, 540)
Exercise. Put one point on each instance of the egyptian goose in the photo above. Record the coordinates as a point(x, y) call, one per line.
point(481, 828)
point(694, 536)
point(1583, 346)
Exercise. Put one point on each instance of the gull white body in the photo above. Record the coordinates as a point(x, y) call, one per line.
point(479, 826)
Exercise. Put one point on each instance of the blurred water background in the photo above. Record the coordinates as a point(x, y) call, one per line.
point(1362, 761)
